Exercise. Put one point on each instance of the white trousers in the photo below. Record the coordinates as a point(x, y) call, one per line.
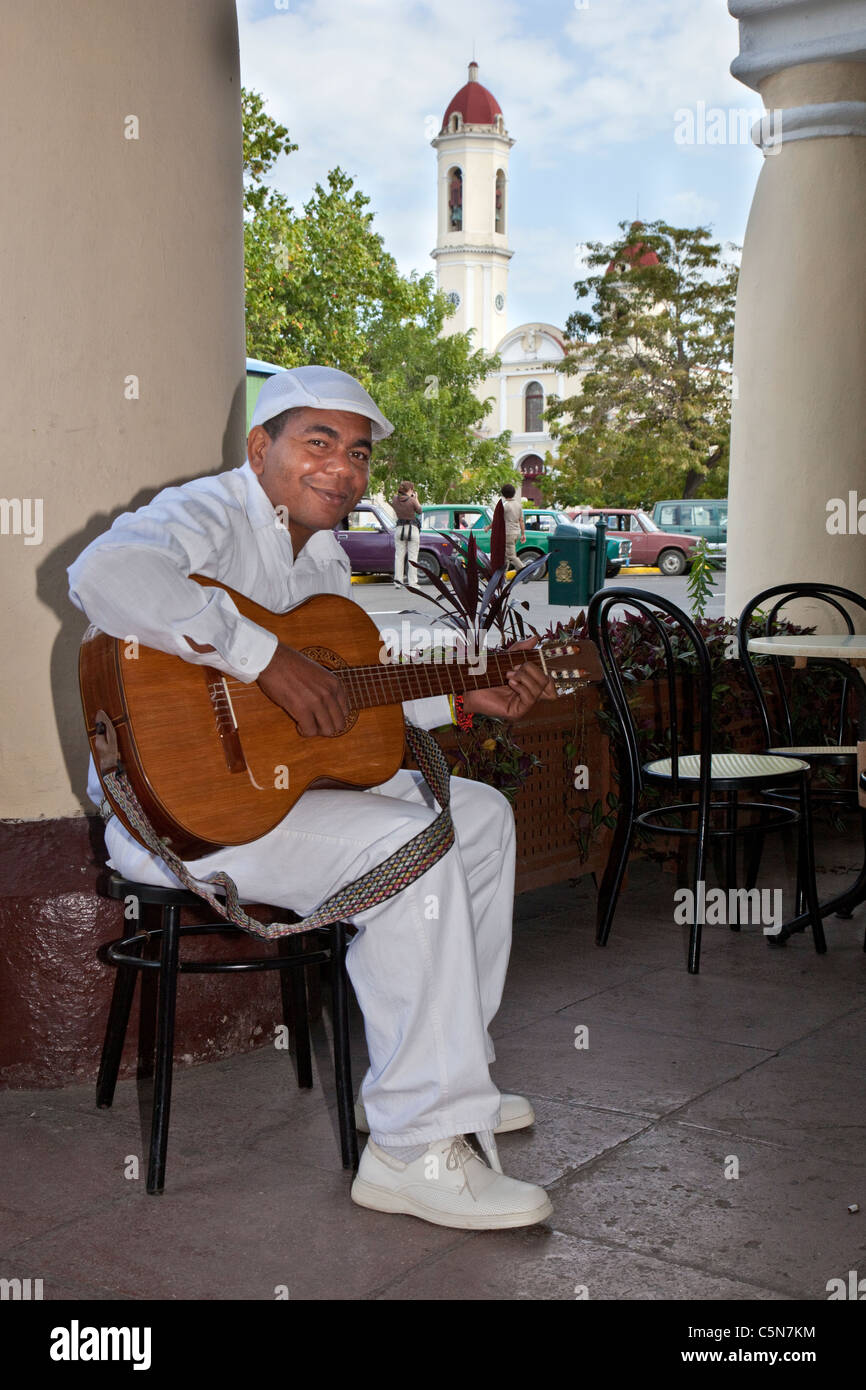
point(428, 966)
point(401, 550)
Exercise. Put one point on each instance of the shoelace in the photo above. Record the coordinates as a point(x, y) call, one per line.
point(458, 1153)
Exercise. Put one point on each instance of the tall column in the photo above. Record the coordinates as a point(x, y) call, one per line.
point(122, 327)
point(122, 344)
point(798, 434)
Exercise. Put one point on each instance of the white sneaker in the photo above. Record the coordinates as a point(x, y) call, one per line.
point(448, 1185)
point(516, 1113)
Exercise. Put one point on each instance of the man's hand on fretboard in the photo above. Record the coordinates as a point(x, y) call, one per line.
point(527, 684)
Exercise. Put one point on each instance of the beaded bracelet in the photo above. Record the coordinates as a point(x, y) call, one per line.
point(459, 716)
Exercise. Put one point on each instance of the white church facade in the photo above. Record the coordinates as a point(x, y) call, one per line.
point(472, 257)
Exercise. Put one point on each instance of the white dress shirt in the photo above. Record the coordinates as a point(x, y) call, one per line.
point(133, 581)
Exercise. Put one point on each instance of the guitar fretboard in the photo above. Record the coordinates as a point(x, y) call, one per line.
point(391, 684)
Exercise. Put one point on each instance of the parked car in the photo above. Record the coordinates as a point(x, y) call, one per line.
point(539, 524)
point(649, 544)
point(367, 536)
point(699, 516)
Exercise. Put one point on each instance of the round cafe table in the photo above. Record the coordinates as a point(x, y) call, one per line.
point(847, 651)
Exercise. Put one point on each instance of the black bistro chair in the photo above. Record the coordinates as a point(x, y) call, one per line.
point(703, 777)
point(783, 724)
point(292, 955)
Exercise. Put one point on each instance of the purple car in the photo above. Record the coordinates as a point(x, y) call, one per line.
point(367, 536)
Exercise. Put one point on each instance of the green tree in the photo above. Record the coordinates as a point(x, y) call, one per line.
point(425, 384)
point(654, 355)
point(264, 142)
point(321, 287)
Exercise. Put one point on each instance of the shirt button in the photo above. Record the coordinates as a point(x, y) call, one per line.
point(244, 661)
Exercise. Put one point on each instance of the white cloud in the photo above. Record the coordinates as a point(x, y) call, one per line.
point(356, 81)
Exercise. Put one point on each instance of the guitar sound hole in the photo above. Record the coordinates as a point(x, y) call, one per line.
point(332, 661)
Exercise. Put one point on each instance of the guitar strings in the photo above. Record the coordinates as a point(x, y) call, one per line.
point(388, 683)
point(399, 678)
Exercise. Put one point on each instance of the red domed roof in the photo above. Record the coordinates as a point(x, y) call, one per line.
point(476, 105)
point(637, 253)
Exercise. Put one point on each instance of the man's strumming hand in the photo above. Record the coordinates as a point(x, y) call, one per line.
point(314, 697)
point(527, 684)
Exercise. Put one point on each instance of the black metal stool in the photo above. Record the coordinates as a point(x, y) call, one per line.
point(127, 953)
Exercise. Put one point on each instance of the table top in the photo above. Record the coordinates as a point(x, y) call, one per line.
point(842, 646)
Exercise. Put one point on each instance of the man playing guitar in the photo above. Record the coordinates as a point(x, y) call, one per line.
point(428, 965)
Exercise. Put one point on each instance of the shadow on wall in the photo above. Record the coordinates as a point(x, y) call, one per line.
point(52, 589)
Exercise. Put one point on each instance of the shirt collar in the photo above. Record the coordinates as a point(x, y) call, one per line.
point(260, 508)
point(322, 547)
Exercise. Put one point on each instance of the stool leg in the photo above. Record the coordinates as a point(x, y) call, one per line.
point(342, 1054)
point(164, 1049)
point(115, 1032)
point(297, 984)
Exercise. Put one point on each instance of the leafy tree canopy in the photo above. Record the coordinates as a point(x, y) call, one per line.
point(321, 287)
point(654, 353)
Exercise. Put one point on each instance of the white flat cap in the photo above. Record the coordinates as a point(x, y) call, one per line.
point(323, 388)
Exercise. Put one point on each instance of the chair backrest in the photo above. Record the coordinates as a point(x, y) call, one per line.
point(602, 620)
point(779, 725)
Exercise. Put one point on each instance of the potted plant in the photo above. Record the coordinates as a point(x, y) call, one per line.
point(554, 766)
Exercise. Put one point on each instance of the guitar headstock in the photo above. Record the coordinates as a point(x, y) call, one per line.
point(570, 664)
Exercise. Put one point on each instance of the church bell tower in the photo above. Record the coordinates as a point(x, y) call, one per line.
point(472, 251)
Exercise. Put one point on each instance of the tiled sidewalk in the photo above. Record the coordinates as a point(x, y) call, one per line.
point(756, 1066)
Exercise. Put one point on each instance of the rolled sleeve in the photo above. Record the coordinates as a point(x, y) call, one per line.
point(431, 713)
point(243, 648)
point(134, 582)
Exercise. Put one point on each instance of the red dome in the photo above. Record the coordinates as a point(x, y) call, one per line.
point(476, 105)
point(637, 253)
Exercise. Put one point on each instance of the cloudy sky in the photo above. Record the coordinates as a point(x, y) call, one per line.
point(613, 104)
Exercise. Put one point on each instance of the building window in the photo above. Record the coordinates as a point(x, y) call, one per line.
point(455, 200)
point(533, 406)
point(499, 223)
point(456, 121)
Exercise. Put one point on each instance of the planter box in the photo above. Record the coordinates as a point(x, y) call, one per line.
point(548, 807)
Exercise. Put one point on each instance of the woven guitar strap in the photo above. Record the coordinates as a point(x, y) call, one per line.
point(394, 874)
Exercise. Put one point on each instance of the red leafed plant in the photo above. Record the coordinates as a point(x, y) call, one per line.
point(480, 597)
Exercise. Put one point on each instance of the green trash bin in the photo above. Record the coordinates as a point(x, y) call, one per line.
point(576, 564)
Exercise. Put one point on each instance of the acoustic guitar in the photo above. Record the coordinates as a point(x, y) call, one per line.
point(214, 762)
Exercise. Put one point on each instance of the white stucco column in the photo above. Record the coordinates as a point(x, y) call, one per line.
point(798, 437)
point(122, 330)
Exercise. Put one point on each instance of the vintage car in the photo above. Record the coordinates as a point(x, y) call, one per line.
point(539, 524)
point(367, 536)
point(697, 516)
point(649, 544)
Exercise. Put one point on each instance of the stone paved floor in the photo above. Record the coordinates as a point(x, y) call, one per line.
point(756, 1065)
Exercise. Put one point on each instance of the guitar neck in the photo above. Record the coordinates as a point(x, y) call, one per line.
point(391, 684)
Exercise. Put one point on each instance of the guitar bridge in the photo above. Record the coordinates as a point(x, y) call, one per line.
point(227, 724)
